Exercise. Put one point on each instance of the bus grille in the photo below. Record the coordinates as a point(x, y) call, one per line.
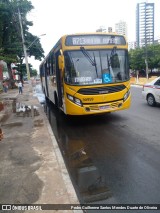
point(94, 107)
point(101, 90)
point(115, 105)
point(111, 106)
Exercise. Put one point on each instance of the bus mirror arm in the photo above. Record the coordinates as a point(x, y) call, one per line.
point(61, 62)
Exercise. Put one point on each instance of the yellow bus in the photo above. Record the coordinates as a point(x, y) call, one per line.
point(87, 74)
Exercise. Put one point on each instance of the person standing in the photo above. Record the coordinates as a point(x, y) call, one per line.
point(20, 87)
point(5, 86)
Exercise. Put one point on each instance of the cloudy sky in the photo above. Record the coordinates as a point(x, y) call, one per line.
point(58, 17)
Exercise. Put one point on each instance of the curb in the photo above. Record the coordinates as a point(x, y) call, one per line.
point(65, 176)
point(137, 85)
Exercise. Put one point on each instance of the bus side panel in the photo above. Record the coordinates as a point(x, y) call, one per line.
point(53, 80)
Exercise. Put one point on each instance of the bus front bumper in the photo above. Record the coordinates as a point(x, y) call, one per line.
point(88, 109)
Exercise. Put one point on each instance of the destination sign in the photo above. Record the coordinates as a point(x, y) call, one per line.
point(84, 40)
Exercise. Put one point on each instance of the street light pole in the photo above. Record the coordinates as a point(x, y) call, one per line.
point(24, 46)
point(35, 40)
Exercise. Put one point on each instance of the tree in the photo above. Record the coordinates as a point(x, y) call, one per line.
point(136, 59)
point(153, 52)
point(33, 72)
point(11, 48)
point(21, 70)
point(150, 52)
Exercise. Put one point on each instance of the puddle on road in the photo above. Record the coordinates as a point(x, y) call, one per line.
point(39, 94)
point(88, 182)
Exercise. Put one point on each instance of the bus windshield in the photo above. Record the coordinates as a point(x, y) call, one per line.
point(96, 66)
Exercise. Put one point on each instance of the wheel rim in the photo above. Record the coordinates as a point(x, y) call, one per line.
point(150, 100)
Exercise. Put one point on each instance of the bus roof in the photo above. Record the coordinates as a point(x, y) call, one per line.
point(66, 39)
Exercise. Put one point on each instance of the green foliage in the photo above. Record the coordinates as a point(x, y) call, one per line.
point(136, 58)
point(153, 53)
point(150, 52)
point(11, 48)
point(33, 72)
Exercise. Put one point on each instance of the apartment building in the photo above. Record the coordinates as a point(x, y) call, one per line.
point(144, 24)
point(121, 28)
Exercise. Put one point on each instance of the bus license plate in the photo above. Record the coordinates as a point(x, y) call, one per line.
point(104, 107)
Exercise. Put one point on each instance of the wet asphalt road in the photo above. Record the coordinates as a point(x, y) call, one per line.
point(113, 158)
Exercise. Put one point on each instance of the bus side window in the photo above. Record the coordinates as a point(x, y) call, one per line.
point(47, 68)
point(50, 70)
point(53, 65)
point(53, 68)
point(42, 71)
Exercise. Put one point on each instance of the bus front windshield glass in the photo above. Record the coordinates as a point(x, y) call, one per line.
point(96, 66)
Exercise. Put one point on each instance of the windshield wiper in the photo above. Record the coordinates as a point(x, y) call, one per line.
point(90, 59)
point(109, 64)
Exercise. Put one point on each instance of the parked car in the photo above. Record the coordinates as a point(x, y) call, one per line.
point(151, 92)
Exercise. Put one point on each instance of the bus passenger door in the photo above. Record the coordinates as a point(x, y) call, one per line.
point(59, 82)
point(46, 80)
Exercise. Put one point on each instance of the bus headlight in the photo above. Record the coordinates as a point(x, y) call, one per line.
point(74, 100)
point(70, 97)
point(126, 95)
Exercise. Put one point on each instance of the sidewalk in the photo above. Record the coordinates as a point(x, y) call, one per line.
point(32, 167)
point(141, 81)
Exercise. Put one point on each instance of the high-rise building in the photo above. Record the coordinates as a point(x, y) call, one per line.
point(101, 29)
point(121, 28)
point(110, 29)
point(132, 45)
point(144, 23)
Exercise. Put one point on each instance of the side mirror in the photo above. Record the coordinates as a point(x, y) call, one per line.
point(61, 62)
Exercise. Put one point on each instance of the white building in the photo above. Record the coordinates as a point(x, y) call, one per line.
point(144, 23)
point(121, 28)
point(132, 45)
point(101, 29)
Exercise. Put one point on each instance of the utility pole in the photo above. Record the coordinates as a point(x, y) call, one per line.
point(146, 62)
point(24, 46)
point(146, 57)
